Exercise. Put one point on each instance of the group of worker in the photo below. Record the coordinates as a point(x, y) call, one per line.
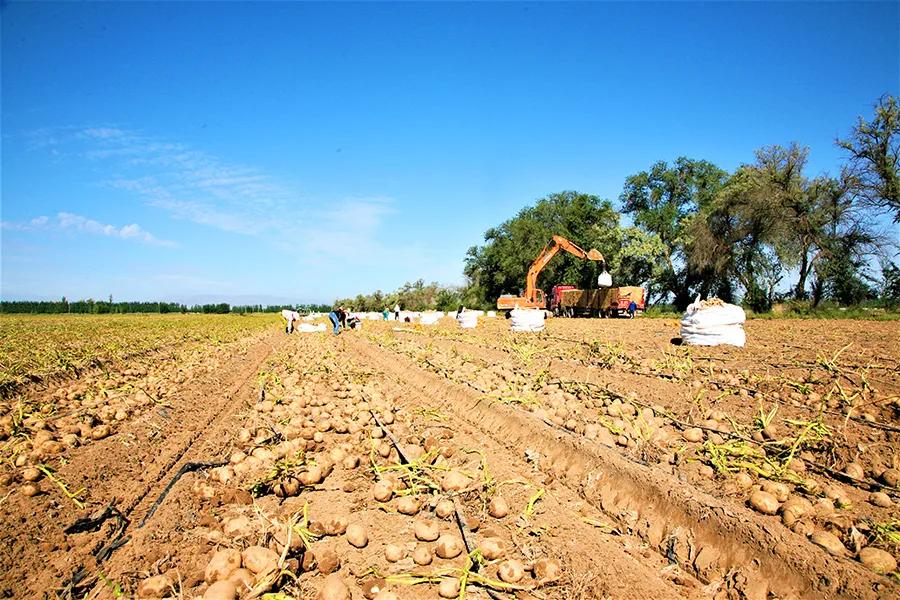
point(339, 318)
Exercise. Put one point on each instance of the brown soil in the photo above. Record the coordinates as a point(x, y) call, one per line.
point(629, 507)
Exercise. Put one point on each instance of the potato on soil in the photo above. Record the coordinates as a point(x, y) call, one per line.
point(880, 499)
point(158, 586)
point(407, 505)
point(877, 559)
point(891, 477)
point(334, 588)
point(764, 502)
point(829, 542)
point(498, 507)
point(327, 560)
point(243, 579)
point(547, 570)
point(30, 489)
point(448, 546)
point(426, 531)
point(259, 559)
point(394, 552)
point(777, 489)
point(222, 564)
point(422, 555)
point(335, 526)
point(449, 587)
point(382, 491)
point(373, 587)
point(694, 434)
point(492, 548)
point(221, 590)
point(444, 509)
point(511, 571)
point(454, 481)
point(100, 432)
point(357, 535)
point(31, 474)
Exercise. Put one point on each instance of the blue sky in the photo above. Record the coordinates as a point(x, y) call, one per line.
point(300, 152)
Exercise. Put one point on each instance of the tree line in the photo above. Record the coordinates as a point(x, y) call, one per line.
point(416, 296)
point(100, 307)
point(699, 229)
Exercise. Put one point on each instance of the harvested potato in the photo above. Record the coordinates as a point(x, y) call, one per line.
point(694, 434)
point(880, 499)
point(764, 502)
point(449, 546)
point(394, 552)
point(449, 587)
point(877, 559)
point(454, 481)
point(426, 531)
point(373, 587)
point(407, 505)
point(222, 564)
point(382, 491)
point(829, 542)
point(498, 507)
point(100, 432)
point(30, 489)
point(511, 571)
point(794, 509)
point(357, 535)
point(422, 555)
point(243, 579)
point(891, 477)
point(492, 548)
point(444, 509)
point(855, 470)
point(31, 474)
point(335, 526)
point(221, 590)
point(777, 489)
point(259, 559)
point(547, 570)
point(327, 560)
point(334, 588)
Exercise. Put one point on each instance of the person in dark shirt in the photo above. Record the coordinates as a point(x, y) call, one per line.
point(338, 318)
point(632, 307)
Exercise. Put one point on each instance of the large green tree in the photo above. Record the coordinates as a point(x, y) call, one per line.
point(874, 158)
point(500, 265)
point(664, 201)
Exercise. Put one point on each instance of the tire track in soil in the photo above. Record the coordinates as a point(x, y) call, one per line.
point(128, 469)
point(703, 533)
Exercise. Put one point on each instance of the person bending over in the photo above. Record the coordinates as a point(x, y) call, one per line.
point(338, 318)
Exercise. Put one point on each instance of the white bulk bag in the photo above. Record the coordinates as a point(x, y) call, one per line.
point(430, 318)
point(468, 319)
point(713, 322)
point(529, 319)
point(307, 328)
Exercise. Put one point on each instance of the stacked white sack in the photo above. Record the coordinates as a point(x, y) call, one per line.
point(713, 322)
point(529, 319)
point(307, 328)
point(430, 318)
point(468, 319)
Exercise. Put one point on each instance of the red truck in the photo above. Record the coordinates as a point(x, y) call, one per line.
point(567, 301)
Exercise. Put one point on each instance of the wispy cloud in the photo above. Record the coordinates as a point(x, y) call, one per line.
point(65, 221)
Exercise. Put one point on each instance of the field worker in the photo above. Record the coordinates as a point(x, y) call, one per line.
point(397, 312)
point(289, 317)
point(338, 317)
point(385, 314)
point(632, 306)
point(460, 311)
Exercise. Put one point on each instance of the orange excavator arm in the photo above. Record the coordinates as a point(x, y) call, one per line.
point(556, 244)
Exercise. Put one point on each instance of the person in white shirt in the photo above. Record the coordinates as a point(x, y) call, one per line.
point(289, 317)
point(397, 312)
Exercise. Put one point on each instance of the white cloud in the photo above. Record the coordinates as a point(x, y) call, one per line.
point(66, 221)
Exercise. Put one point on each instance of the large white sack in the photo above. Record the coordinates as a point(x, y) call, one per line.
point(529, 319)
point(430, 318)
point(307, 328)
point(713, 322)
point(468, 319)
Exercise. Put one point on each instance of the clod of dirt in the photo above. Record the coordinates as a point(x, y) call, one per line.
point(449, 546)
point(158, 586)
point(426, 531)
point(547, 570)
point(394, 552)
point(449, 587)
point(30, 489)
point(764, 502)
point(877, 559)
point(222, 564)
point(221, 590)
point(492, 548)
point(694, 434)
point(357, 536)
point(422, 555)
point(454, 481)
point(511, 571)
point(444, 509)
point(327, 560)
point(880, 499)
point(830, 542)
point(350, 462)
point(334, 588)
point(407, 505)
point(259, 559)
point(498, 507)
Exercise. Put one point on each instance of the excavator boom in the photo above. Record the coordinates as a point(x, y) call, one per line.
point(534, 297)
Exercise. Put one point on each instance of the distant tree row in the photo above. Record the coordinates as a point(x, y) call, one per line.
point(701, 230)
point(100, 307)
point(417, 296)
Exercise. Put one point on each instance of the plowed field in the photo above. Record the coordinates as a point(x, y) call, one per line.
point(598, 459)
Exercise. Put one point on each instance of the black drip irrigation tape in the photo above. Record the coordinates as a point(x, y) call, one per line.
point(187, 468)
